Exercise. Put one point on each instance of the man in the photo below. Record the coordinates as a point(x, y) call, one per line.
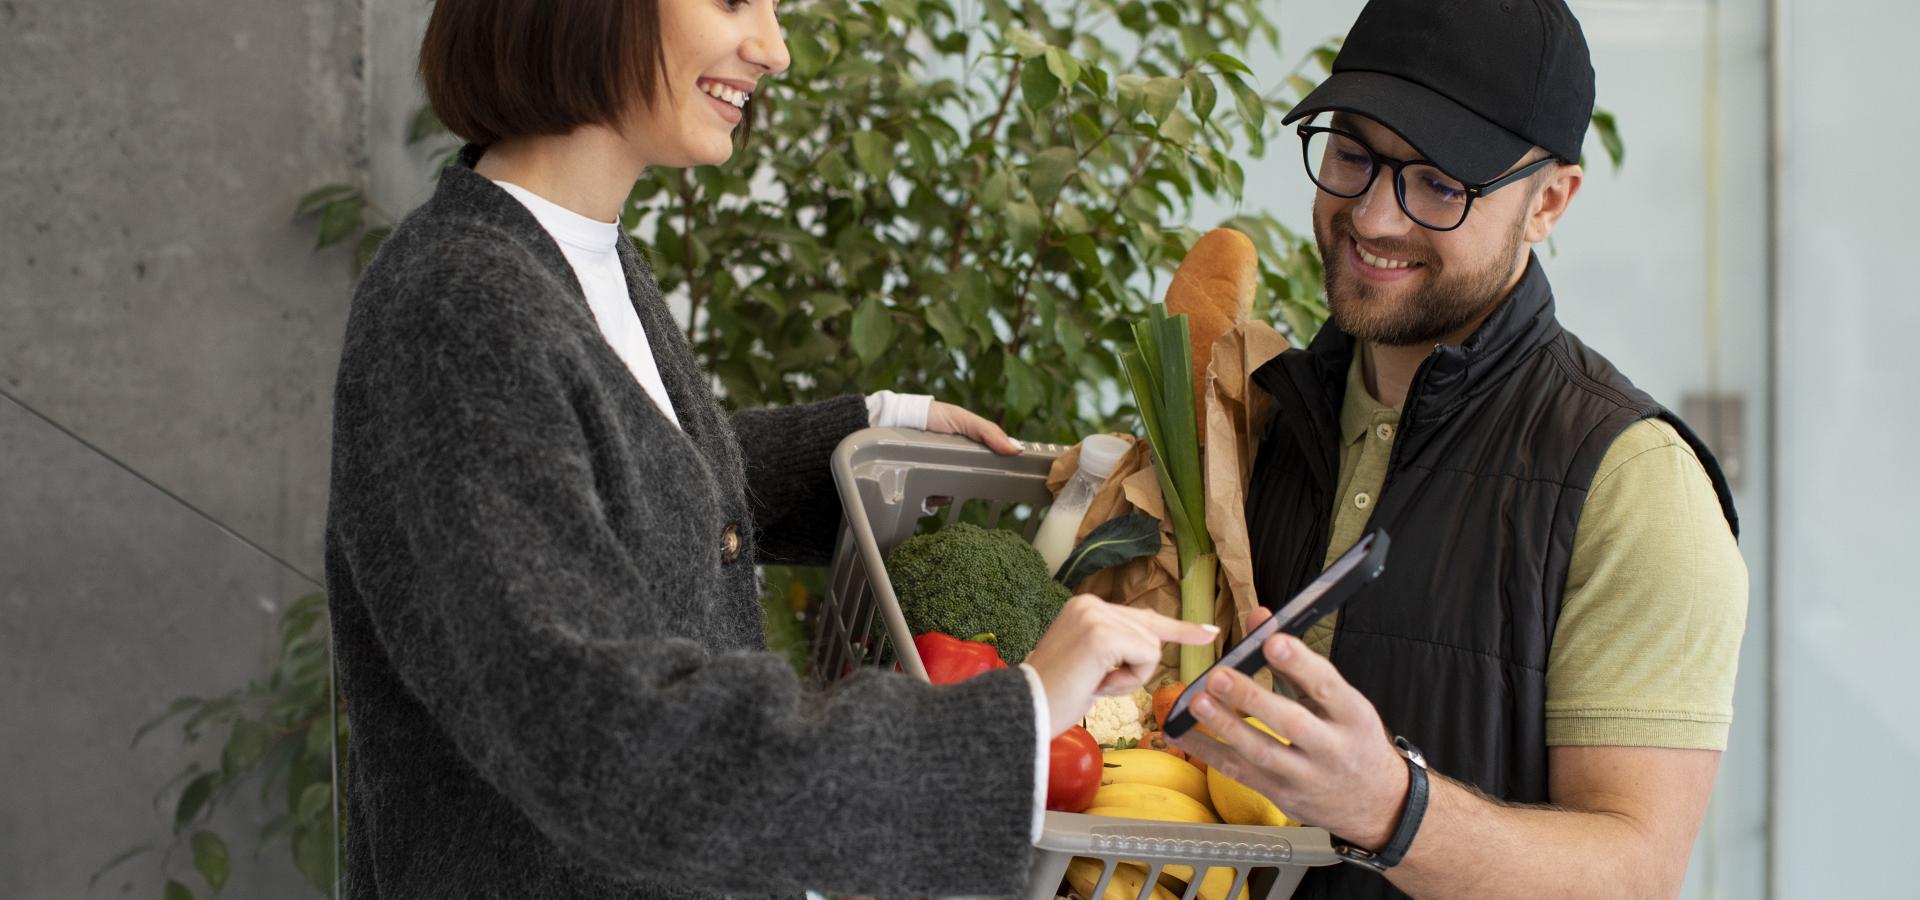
point(1559, 619)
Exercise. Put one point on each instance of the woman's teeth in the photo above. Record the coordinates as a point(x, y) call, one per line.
point(722, 92)
point(1381, 262)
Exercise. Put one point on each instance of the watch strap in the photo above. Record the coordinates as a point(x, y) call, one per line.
point(1411, 813)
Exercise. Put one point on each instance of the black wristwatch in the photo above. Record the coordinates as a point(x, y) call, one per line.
point(1410, 815)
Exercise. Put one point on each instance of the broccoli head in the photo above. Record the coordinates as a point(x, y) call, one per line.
point(963, 580)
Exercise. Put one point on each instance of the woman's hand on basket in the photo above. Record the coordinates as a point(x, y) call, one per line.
point(1101, 649)
point(946, 418)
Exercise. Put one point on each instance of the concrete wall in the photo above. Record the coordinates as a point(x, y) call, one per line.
point(156, 299)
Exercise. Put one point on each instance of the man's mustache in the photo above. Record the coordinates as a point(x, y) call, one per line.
point(1393, 247)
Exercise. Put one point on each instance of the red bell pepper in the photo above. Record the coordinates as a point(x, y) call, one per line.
point(1074, 766)
point(949, 659)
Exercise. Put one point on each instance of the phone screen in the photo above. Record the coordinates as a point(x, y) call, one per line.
point(1353, 570)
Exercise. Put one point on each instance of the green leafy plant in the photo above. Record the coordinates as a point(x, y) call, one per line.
point(281, 734)
point(972, 206)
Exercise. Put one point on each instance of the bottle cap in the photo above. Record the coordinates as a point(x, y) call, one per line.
point(1099, 453)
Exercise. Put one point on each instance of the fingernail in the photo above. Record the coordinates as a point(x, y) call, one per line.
point(1210, 629)
point(1219, 683)
point(1281, 649)
point(1203, 705)
point(1017, 445)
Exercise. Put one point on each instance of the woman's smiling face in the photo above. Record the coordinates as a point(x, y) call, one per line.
point(716, 52)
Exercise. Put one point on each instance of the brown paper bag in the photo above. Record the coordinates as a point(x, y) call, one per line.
point(1234, 404)
point(1233, 407)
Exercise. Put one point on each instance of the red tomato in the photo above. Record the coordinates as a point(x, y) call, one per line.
point(1074, 766)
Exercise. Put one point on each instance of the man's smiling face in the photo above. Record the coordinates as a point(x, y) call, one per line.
point(1391, 281)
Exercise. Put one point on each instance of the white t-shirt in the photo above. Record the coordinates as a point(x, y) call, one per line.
point(592, 247)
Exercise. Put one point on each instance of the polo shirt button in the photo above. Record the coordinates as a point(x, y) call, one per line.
point(1384, 432)
point(729, 543)
point(1362, 501)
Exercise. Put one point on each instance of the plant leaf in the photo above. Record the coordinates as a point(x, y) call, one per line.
point(1062, 66)
point(1226, 63)
point(1609, 130)
point(1253, 110)
point(424, 125)
point(210, 857)
point(313, 856)
point(194, 799)
point(118, 858)
point(1025, 43)
point(945, 319)
point(338, 220)
point(872, 329)
point(1201, 94)
point(1023, 386)
point(246, 744)
point(1163, 94)
point(874, 152)
point(173, 709)
point(321, 197)
point(1039, 86)
point(316, 799)
point(1116, 541)
point(177, 891)
point(1050, 171)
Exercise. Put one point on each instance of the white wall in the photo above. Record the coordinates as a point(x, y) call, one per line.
point(1850, 612)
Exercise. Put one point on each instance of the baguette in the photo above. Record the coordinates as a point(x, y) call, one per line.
point(1214, 287)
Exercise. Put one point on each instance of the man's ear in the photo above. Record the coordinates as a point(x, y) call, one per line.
point(1550, 202)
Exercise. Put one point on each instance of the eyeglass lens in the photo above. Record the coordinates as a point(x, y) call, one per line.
point(1343, 167)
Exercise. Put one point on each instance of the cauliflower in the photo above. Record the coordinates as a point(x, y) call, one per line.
point(1119, 722)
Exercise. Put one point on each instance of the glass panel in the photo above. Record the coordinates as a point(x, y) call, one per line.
point(115, 600)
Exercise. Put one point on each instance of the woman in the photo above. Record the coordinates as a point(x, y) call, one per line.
point(543, 531)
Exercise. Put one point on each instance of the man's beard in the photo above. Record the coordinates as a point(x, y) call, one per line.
point(1447, 303)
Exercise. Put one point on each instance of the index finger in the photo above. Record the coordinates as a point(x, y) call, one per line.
point(1169, 629)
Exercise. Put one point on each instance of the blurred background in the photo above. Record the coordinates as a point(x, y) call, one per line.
point(168, 335)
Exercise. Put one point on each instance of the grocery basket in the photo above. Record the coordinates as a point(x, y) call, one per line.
point(890, 480)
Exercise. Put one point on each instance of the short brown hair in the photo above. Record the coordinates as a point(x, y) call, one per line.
point(497, 69)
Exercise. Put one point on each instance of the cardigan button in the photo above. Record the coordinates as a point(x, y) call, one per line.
point(729, 543)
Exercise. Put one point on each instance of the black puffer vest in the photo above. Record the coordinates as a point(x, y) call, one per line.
point(1498, 442)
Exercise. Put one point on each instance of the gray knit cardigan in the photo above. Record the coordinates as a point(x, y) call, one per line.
point(553, 664)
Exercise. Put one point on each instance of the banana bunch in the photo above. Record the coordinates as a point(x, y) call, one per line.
point(1149, 784)
point(1128, 878)
point(1156, 786)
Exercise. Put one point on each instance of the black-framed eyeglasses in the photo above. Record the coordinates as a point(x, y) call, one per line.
point(1344, 166)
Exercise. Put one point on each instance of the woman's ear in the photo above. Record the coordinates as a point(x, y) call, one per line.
point(1550, 202)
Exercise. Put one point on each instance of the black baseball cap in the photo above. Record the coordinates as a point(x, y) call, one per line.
point(1471, 84)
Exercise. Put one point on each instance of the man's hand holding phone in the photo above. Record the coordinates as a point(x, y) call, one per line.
point(1339, 772)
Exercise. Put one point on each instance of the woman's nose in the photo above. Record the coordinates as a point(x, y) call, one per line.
point(767, 47)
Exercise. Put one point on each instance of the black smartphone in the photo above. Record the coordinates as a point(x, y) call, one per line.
point(1355, 569)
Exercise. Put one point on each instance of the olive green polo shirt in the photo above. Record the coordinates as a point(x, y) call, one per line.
point(1648, 639)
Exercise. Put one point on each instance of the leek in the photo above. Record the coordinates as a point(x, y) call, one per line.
point(1160, 370)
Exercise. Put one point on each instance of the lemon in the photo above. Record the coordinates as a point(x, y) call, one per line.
point(1238, 804)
